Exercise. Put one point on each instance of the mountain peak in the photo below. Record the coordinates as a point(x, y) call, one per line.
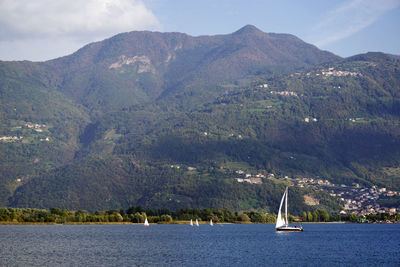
point(248, 29)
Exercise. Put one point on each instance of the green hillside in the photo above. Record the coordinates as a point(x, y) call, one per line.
point(170, 120)
point(38, 125)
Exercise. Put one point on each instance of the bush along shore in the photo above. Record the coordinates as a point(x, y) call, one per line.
point(165, 216)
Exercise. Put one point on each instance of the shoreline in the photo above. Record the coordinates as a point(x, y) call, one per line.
point(172, 223)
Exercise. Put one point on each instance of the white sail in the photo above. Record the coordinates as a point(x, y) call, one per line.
point(191, 222)
point(281, 221)
point(146, 222)
point(197, 222)
point(211, 223)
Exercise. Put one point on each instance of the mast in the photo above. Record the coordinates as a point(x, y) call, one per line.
point(286, 215)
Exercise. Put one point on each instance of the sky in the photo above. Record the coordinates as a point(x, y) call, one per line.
point(40, 30)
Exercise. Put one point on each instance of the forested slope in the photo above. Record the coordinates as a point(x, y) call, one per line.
point(167, 120)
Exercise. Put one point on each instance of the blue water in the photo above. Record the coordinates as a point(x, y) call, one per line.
point(182, 245)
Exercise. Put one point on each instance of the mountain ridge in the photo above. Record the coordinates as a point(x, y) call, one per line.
point(183, 61)
point(117, 118)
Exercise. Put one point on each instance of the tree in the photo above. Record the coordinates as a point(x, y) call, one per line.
point(270, 218)
point(243, 218)
point(309, 217)
point(166, 218)
point(316, 217)
point(257, 217)
point(119, 217)
point(324, 216)
point(138, 217)
point(353, 218)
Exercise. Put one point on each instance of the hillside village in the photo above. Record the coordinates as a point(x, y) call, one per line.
point(356, 199)
point(27, 132)
point(331, 71)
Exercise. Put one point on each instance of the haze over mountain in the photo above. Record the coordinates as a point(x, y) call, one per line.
point(165, 120)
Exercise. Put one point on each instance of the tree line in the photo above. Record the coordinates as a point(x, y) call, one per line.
point(138, 215)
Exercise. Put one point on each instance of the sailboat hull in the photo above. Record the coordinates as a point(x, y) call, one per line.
point(289, 229)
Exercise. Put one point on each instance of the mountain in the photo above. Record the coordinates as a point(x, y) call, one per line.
point(394, 56)
point(167, 120)
point(140, 67)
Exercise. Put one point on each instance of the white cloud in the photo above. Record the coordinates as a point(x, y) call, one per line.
point(45, 24)
point(348, 19)
point(51, 18)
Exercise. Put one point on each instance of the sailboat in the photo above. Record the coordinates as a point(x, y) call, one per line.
point(211, 223)
point(146, 222)
point(191, 222)
point(197, 222)
point(282, 223)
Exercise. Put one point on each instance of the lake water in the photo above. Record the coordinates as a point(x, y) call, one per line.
point(182, 245)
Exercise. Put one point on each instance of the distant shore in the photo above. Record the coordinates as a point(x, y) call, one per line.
point(107, 223)
point(177, 222)
point(137, 215)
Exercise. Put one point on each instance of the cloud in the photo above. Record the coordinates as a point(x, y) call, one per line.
point(27, 19)
point(44, 29)
point(348, 19)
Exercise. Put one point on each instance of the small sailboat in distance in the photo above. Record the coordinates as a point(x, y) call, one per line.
point(191, 222)
point(282, 223)
point(146, 222)
point(197, 222)
point(211, 223)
